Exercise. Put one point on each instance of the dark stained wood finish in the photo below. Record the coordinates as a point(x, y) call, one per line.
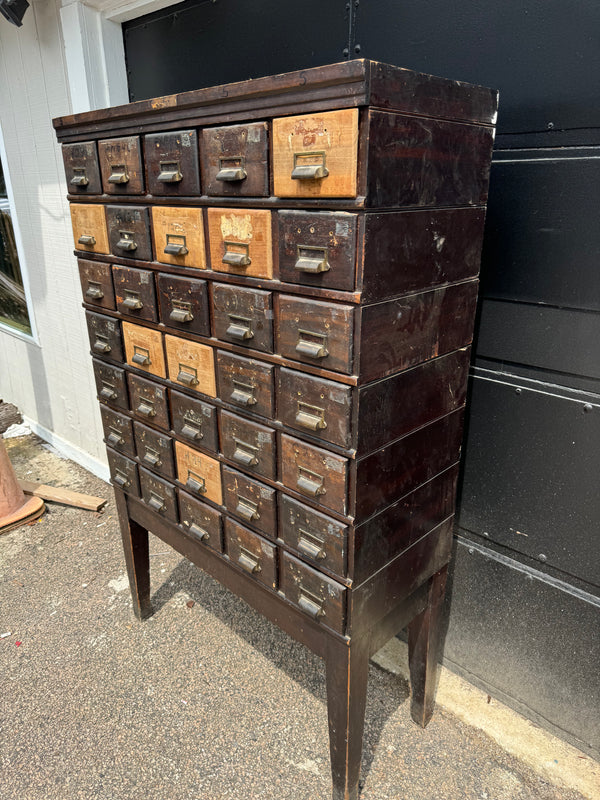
point(81, 168)
point(320, 597)
point(171, 161)
point(243, 317)
point(183, 304)
point(248, 445)
point(154, 450)
point(118, 431)
point(129, 232)
point(201, 521)
point(315, 473)
point(148, 401)
point(251, 553)
point(121, 165)
point(246, 383)
point(123, 472)
point(105, 336)
point(159, 495)
point(235, 160)
point(137, 558)
point(111, 385)
point(194, 421)
point(96, 283)
point(134, 292)
point(252, 502)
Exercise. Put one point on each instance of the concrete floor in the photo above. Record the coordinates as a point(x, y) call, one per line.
point(203, 701)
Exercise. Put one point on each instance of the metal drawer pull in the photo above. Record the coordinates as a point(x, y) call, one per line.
point(94, 291)
point(311, 417)
point(176, 245)
point(240, 328)
point(197, 530)
point(114, 438)
point(237, 258)
point(79, 177)
point(127, 241)
point(181, 311)
point(310, 166)
point(118, 174)
point(312, 344)
point(311, 545)
point(86, 239)
point(192, 430)
point(108, 391)
point(312, 260)
point(245, 454)
point(248, 561)
point(247, 509)
point(152, 457)
point(243, 393)
point(141, 356)
point(311, 604)
point(196, 482)
point(169, 172)
point(310, 482)
point(232, 169)
point(101, 344)
point(121, 479)
point(132, 300)
point(157, 503)
point(146, 408)
point(187, 375)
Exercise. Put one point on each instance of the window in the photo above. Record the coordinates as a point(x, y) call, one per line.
point(13, 304)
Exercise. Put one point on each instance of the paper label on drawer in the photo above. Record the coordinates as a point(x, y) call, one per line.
point(333, 465)
point(254, 134)
point(236, 226)
point(186, 140)
point(342, 229)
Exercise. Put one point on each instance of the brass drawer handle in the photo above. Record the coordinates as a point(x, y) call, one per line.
point(310, 417)
point(191, 429)
point(94, 291)
point(196, 530)
point(108, 391)
point(157, 503)
point(127, 241)
point(196, 483)
point(176, 245)
point(187, 375)
point(79, 177)
point(248, 561)
point(170, 172)
point(247, 509)
point(132, 300)
point(237, 258)
point(311, 545)
point(181, 311)
point(232, 169)
point(114, 438)
point(313, 345)
point(309, 482)
point(246, 454)
point(240, 328)
point(243, 393)
point(146, 408)
point(141, 356)
point(311, 604)
point(309, 166)
point(118, 174)
point(312, 260)
point(86, 239)
point(152, 457)
point(121, 479)
point(101, 344)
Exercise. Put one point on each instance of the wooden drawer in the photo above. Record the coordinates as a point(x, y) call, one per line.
point(201, 521)
point(243, 316)
point(105, 336)
point(316, 155)
point(251, 552)
point(249, 445)
point(118, 431)
point(316, 333)
point(81, 168)
point(235, 160)
point(158, 495)
point(148, 401)
point(89, 228)
point(123, 472)
point(179, 236)
point(172, 163)
point(318, 539)
point(183, 304)
point(191, 365)
point(121, 165)
point(111, 385)
point(194, 420)
point(154, 450)
point(129, 232)
point(240, 242)
point(144, 349)
point(252, 502)
point(315, 473)
point(134, 292)
point(199, 473)
point(315, 406)
point(318, 248)
point(246, 383)
point(322, 598)
point(96, 283)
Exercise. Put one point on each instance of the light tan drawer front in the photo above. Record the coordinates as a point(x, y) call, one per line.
point(179, 236)
point(240, 242)
point(144, 349)
point(89, 228)
point(192, 365)
point(199, 473)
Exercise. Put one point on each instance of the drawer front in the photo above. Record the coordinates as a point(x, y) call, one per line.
point(144, 349)
point(118, 431)
point(201, 521)
point(318, 539)
point(243, 316)
point(158, 495)
point(172, 163)
point(154, 450)
point(134, 292)
point(315, 473)
point(129, 232)
point(321, 598)
point(251, 553)
point(179, 236)
point(250, 501)
point(96, 283)
point(183, 304)
point(199, 473)
point(316, 333)
point(318, 248)
point(89, 228)
point(194, 421)
point(191, 365)
point(235, 160)
point(246, 383)
point(123, 472)
point(316, 155)
point(105, 336)
point(81, 168)
point(240, 242)
point(315, 406)
point(248, 444)
point(148, 401)
point(121, 165)
point(111, 385)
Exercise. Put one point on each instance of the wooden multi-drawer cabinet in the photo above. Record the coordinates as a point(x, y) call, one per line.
point(280, 280)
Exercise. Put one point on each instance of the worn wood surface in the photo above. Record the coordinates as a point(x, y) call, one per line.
point(148, 401)
point(183, 303)
point(96, 283)
point(194, 421)
point(121, 160)
point(251, 552)
point(129, 231)
point(105, 336)
point(251, 501)
point(123, 472)
point(111, 385)
point(248, 445)
point(319, 596)
point(176, 151)
point(241, 149)
point(154, 450)
point(118, 431)
point(179, 227)
point(203, 469)
point(158, 494)
point(244, 235)
point(246, 383)
point(89, 228)
point(135, 295)
point(201, 521)
point(64, 496)
point(81, 168)
point(144, 349)
point(243, 316)
point(314, 472)
point(191, 364)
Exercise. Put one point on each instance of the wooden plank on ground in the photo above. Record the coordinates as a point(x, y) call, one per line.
point(67, 497)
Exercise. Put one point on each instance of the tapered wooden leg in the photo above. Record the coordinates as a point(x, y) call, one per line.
point(347, 669)
point(137, 559)
point(424, 650)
